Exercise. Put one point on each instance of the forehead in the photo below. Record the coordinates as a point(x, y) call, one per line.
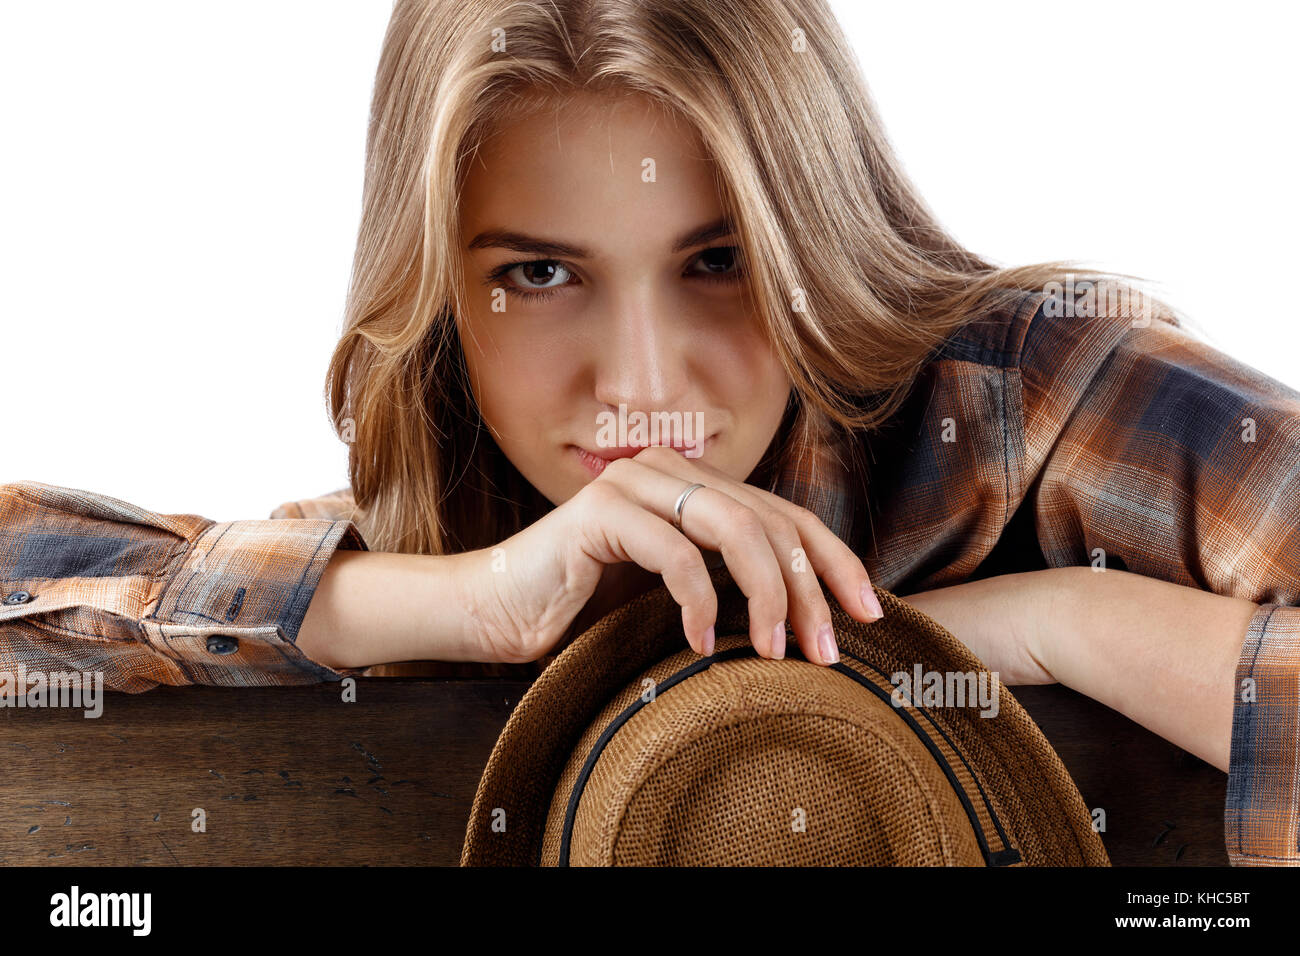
point(578, 123)
point(618, 157)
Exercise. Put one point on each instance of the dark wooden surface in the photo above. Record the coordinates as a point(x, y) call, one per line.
point(294, 775)
point(285, 775)
point(1144, 783)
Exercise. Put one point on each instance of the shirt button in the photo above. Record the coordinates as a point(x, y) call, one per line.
point(222, 644)
point(18, 597)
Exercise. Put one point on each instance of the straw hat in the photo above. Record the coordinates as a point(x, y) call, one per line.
point(632, 750)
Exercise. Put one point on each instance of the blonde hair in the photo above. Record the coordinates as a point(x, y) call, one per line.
point(805, 172)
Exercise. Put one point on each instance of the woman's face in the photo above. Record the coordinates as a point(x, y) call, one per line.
point(616, 284)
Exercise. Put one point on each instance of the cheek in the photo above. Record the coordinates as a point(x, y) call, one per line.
point(514, 374)
point(743, 366)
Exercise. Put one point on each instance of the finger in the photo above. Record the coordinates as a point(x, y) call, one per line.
point(831, 560)
point(829, 557)
point(808, 613)
point(717, 521)
point(617, 529)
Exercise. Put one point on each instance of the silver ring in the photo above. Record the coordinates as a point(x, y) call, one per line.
point(681, 503)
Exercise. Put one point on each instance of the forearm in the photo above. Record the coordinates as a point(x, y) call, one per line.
point(1000, 619)
point(1162, 654)
point(375, 608)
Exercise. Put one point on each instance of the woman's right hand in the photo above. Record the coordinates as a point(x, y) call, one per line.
point(523, 594)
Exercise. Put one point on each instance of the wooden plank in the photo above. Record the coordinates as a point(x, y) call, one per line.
point(1141, 780)
point(296, 776)
point(286, 775)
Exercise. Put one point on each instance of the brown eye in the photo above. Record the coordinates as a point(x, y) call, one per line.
point(720, 262)
point(534, 280)
point(541, 273)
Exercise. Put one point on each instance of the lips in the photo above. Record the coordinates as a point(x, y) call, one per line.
point(595, 461)
point(609, 454)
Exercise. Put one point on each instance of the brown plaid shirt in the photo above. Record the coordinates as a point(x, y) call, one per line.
point(1030, 440)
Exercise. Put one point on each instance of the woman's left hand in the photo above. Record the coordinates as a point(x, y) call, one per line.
point(1006, 621)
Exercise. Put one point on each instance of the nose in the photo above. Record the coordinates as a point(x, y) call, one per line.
point(641, 360)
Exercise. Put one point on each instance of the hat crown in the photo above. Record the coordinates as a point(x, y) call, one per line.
point(630, 749)
point(842, 781)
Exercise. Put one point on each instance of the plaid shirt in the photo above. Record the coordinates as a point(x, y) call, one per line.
point(1030, 440)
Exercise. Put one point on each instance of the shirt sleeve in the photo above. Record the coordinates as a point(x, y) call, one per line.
point(1147, 449)
point(91, 584)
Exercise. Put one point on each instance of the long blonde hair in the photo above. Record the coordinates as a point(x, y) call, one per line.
point(805, 173)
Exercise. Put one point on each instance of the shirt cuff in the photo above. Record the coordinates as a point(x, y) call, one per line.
point(230, 611)
point(1262, 812)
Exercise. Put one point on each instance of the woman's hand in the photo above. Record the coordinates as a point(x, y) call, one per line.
point(1006, 621)
point(527, 592)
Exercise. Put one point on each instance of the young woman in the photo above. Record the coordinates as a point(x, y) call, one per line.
point(585, 212)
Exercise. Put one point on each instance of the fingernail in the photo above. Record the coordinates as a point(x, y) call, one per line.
point(708, 642)
point(778, 641)
point(826, 641)
point(870, 601)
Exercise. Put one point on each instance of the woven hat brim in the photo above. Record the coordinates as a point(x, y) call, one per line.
point(1030, 792)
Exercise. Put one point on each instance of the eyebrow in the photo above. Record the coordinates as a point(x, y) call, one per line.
point(519, 242)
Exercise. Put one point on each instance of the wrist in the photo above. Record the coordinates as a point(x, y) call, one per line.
point(470, 573)
point(1054, 640)
point(375, 607)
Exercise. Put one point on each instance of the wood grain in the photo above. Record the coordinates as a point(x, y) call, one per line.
point(1142, 781)
point(296, 776)
point(286, 775)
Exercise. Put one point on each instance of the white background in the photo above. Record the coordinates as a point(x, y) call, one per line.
point(180, 188)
